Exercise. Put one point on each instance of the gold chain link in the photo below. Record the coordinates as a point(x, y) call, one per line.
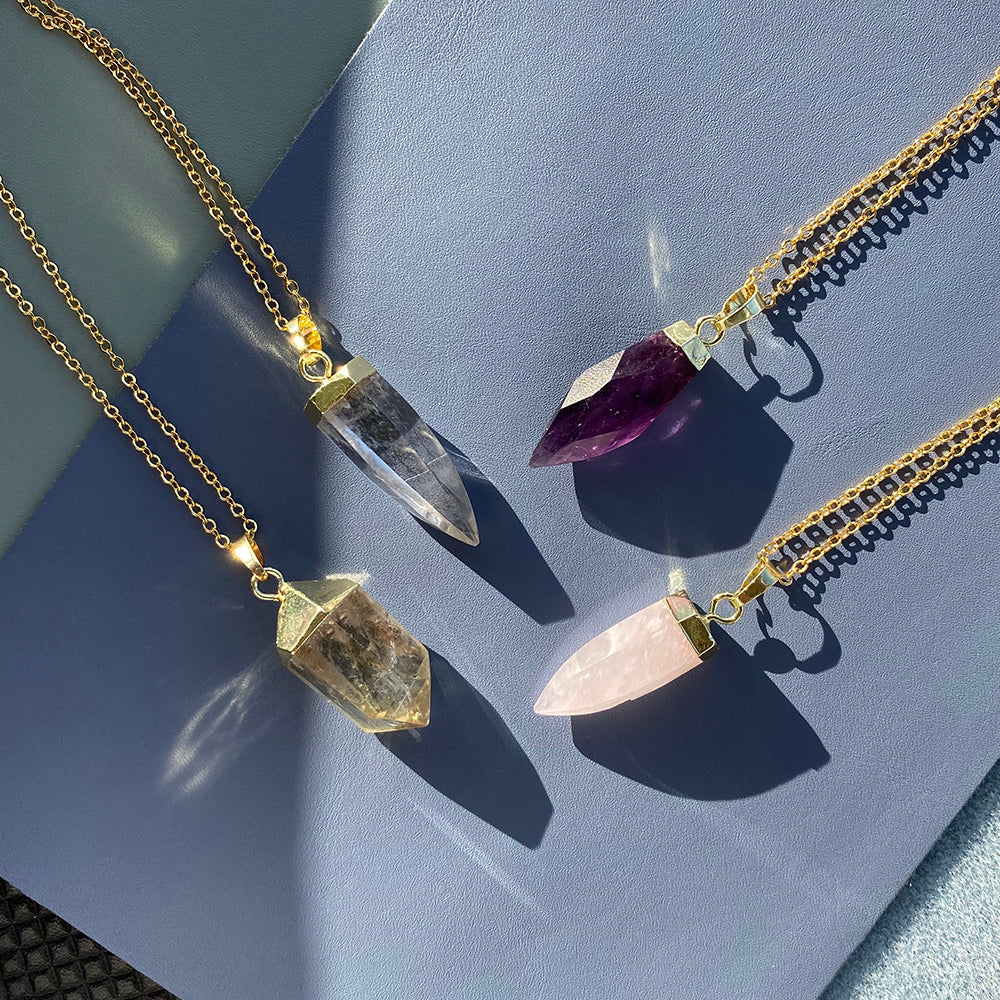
point(904, 169)
point(895, 175)
point(127, 379)
point(188, 153)
point(895, 481)
point(900, 478)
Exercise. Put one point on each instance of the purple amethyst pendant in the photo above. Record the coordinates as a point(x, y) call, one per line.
point(616, 400)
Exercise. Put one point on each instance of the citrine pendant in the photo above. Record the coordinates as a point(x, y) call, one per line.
point(347, 647)
point(382, 434)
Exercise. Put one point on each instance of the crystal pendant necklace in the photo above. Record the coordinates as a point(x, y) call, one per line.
point(661, 642)
point(331, 634)
point(613, 402)
point(352, 403)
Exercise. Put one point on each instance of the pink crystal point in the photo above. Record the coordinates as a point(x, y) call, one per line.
point(613, 402)
point(636, 656)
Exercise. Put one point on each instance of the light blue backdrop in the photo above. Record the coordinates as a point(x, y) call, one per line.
point(490, 201)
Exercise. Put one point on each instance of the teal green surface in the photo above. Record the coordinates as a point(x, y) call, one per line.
point(108, 199)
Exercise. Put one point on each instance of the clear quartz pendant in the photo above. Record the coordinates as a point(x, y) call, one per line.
point(382, 434)
point(347, 647)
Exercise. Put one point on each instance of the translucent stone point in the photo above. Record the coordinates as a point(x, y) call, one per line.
point(385, 437)
point(636, 656)
point(614, 401)
point(349, 649)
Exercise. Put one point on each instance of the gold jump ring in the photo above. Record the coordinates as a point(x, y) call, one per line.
point(708, 342)
point(310, 358)
point(274, 575)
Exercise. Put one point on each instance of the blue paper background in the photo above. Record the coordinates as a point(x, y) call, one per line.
point(489, 201)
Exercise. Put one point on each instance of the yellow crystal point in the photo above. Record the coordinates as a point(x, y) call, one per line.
point(347, 647)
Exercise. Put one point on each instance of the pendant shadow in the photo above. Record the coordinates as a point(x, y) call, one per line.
point(469, 755)
point(628, 493)
point(506, 557)
point(721, 731)
point(717, 442)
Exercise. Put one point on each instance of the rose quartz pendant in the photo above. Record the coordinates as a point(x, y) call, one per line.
point(636, 656)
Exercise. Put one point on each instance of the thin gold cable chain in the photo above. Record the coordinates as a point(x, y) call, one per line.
point(177, 139)
point(918, 157)
point(946, 141)
point(902, 476)
point(895, 480)
point(913, 161)
point(127, 379)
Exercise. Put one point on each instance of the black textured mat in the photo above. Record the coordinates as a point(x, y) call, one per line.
point(44, 958)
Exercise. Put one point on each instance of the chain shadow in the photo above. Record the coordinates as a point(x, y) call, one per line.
point(777, 656)
point(894, 219)
point(468, 754)
point(813, 582)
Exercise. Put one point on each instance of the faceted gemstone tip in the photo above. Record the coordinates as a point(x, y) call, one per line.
point(613, 402)
point(382, 434)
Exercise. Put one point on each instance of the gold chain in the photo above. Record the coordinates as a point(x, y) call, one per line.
point(188, 153)
point(890, 484)
point(901, 171)
point(895, 480)
point(894, 176)
point(127, 379)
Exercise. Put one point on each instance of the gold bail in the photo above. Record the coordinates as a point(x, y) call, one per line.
point(763, 576)
point(741, 306)
point(248, 553)
point(303, 333)
point(737, 309)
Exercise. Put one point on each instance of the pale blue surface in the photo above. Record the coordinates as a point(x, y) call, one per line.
point(489, 202)
point(940, 939)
